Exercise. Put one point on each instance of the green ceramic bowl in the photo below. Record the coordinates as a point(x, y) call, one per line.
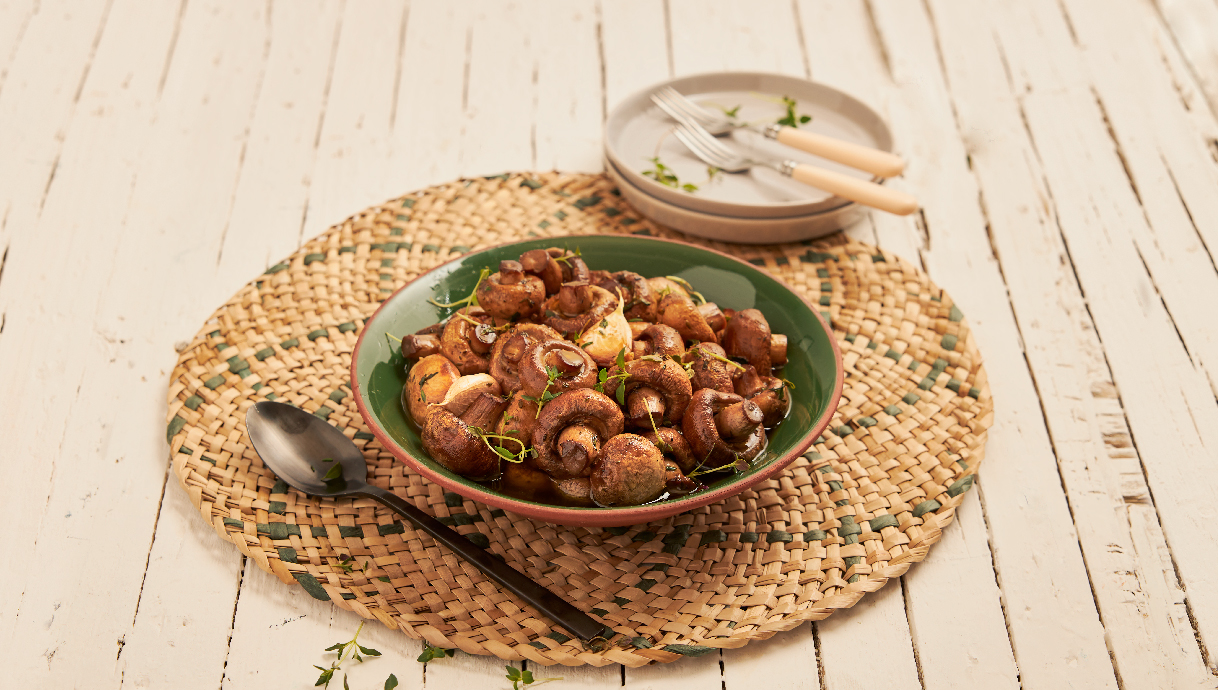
point(815, 365)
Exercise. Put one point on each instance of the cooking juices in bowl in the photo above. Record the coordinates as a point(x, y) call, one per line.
point(554, 383)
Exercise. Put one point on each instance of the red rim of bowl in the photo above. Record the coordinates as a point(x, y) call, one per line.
point(603, 517)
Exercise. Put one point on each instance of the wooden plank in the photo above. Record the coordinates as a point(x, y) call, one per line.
point(280, 633)
point(46, 68)
point(15, 16)
point(1191, 23)
point(172, 633)
point(277, 168)
point(852, 640)
point(704, 672)
point(352, 156)
point(43, 314)
point(568, 107)
point(180, 635)
point(1170, 170)
point(94, 540)
point(634, 47)
point(1169, 406)
point(1099, 466)
point(734, 37)
point(755, 664)
point(1054, 628)
point(958, 574)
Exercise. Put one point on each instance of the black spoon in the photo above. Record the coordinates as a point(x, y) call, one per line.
point(294, 445)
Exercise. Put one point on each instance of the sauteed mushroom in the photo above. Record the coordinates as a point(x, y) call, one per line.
point(630, 471)
point(510, 348)
point(510, 293)
point(673, 446)
point(767, 392)
point(427, 383)
point(709, 368)
point(748, 336)
point(723, 427)
point(657, 390)
point(540, 263)
point(452, 441)
point(467, 340)
point(660, 339)
point(518, 422)
point(577, 306)
point(563, 451)
point(677, 310)
point(574, 366)
point(638, 302)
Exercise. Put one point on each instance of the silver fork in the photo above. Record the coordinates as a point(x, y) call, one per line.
point(711, 151)
point(875, 161)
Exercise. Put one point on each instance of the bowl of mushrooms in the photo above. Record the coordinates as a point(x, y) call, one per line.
point(596, 380)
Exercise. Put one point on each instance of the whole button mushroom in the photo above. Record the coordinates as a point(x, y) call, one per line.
point(659, 339)
point(571, 430)
point(510, 349)
point(673, 446)
point(572, 366)
point(452, 441)
point(656, 389)
point(748, 336)
point(723, 428)
point(467, 340)
point(638, 302)
point(578, 306)
point(678, 310)
point(768, 392)
point(710, 368)
point(510, 293)
point(629, 472)
point(427, 383)
point(540, 263)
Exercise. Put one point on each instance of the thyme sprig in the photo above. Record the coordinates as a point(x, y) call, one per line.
point(665, 175)
point(503, 452)
point(790, 117)
point(522, 678)
point(690, 289)
point(342, 650)
point(472, 299)
point(552, 373)
point(431, 653)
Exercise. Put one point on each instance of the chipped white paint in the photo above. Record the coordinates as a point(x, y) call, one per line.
point(204, 140)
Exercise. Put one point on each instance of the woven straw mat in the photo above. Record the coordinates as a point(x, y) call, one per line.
point(867, 501)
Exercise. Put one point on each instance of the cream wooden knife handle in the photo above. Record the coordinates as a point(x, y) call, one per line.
point(854, 189)
point(875, 161)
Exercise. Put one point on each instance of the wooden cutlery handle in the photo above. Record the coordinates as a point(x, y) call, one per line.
point(857, 190)
point(877, 162)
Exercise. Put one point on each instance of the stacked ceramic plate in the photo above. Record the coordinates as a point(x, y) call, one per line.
point(667, 183)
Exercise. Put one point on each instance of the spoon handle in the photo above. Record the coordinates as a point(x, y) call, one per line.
point(553, 606)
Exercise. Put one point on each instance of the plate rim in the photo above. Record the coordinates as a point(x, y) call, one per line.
point(597, 516)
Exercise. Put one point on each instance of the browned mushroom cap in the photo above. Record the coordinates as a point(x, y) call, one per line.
point(585, 408)
point(662, 340)
point(661, 286)
point(678, 483)
point(712, 315)
point(538, 262)
point(575, 367)
point(768, 392)
point(678, 311)
point(638, 302)
point(722, 427)
point(453, 442)
point(578, 306)
point(416, 345)
point(748, 336)
point(518, 422)
point(510, 348)
point(673, 446)
point(510, 293)
point(427, 383)
point(708, 369)
point(467, 340)
point(630, 471)
point(656, 387)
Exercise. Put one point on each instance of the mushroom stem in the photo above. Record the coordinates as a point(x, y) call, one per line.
point(568, 362)
point(535, 260)
point(484, 411)
point(578, 445)
point(417, 346)
point(738, 419)
point(645, 407)
point(712, 314)
point(779, 349)
point(571, 297)
point(511, 272)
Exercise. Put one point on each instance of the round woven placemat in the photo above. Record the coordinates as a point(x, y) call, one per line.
point(867, 501)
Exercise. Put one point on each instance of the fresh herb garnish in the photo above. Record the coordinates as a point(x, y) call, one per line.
point(738, 465)
point(547, 396)
point(431, 653)
point(335, 472)
point(790, 119)
point(342, 650)
point(688, 287)
point(522, 678)
point(503, 452)
point(391, 682)
point(472, 299)
point(665, 175)
point(730, 112)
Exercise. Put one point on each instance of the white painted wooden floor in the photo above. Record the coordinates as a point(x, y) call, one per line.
point(154, 156)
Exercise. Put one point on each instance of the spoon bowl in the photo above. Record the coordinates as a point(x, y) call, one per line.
point(303, 450)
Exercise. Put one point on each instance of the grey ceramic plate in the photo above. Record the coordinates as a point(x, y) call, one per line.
point(732, 229)
point(636, 131)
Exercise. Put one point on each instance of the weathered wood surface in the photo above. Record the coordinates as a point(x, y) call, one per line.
point(156, 156)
